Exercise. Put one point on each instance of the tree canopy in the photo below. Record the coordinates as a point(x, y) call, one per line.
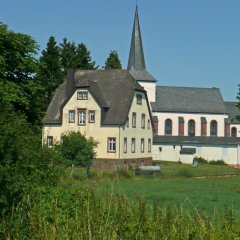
point(113, 61)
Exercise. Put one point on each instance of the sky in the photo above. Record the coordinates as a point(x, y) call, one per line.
point(187, 43)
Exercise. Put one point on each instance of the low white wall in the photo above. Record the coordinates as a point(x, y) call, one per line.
point(167, 152)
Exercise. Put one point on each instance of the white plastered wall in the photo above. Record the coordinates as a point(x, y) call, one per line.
point(187, 116)
point(150, 88)
point(166, 152)
point(237, 126)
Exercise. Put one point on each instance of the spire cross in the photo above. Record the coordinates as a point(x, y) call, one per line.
point(136, 3)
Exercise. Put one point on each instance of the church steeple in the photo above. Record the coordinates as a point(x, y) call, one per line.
point(136, 62)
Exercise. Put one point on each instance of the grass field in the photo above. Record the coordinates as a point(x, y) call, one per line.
point(209, 195)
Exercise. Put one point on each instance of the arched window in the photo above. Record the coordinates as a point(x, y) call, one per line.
point(234, 132)
point(191, 128)
point(213, 128)
point(168, 127)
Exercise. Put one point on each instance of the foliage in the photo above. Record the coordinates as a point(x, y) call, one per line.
point(184, 173)
point(24, 164)
point(18, 65)
point(200, 159)
point(58, 213)
point(77, 149)
point(50, 72)
point(113, 61)
point(217, 162)
point(76, 57)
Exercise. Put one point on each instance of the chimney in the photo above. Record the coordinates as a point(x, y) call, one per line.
point(70, 82)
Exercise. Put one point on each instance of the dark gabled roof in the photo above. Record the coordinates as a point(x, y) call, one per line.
point(136, 62)
point(113, 90)
point(188, 100)
point(176, 140)
point(54, 110)
point(233, 111)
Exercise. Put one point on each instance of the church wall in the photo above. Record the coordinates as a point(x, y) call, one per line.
point(162, 117)
point(167, 152)
point(150, 87)
point(237, 126)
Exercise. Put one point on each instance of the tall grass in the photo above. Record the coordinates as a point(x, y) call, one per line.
point(63, 214)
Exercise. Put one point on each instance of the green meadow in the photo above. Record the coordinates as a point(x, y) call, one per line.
point(209, 189)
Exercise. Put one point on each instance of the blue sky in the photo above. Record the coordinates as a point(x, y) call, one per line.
point(186, 42)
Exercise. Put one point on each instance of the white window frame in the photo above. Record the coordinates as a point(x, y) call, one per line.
point(125, 145)
point(133, 145)
point(139, 99)
point(143, 118)
point(82, 95)
point(142, 145)
point(71, 116)
point(111, 144)
point(50, 141)
point(91, 116)
point(82, 117)
point(134, 119)
point(149, 145)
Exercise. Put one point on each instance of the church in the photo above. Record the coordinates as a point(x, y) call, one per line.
point(188, 121)
point(136, 122)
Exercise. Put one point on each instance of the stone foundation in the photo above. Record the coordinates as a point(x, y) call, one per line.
point(122, 163)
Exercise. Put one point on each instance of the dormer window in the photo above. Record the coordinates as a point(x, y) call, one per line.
point(139, 99)
point(82, 95)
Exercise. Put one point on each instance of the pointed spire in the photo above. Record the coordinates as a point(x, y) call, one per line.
point(136, 56)
point(136, 62)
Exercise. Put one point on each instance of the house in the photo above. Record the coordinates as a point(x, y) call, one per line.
point(188, 121)
point(108, 105)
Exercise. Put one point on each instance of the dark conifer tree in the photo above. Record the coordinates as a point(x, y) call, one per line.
point(84, 59)
point(113, 61)
point(50, 72)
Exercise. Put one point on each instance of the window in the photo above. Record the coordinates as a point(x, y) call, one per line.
point(71, 116)
point(50, 141)
point(82, 95)
point(133, 146)
point(125, 145)
point(148, 124)
point(142, 145)
point(91, 116)
point(143, 121)
point(191, 128)
point(139, 99)
point(168, 127)
point(127, 122)
point(213, 128)
point(234, 132)
point(111, 144)
point(149, 145)
point(81, 117)
point(134, 117)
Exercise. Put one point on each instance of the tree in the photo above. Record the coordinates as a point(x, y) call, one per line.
point(24, 163)
point(50, 72)
point(113, 61)
point(68, 54)
point(84, 59)
point(77, 149)
point(18, 65)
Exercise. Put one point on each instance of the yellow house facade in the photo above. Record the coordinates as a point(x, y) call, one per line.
point(108, 105)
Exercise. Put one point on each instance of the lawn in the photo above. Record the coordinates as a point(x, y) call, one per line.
point(210, 195)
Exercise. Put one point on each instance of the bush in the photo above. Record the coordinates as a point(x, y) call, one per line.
point(200, 160)
point(217, 162)
point(184, 173)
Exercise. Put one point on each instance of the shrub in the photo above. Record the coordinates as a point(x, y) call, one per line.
point(184, 173)
point(217, 162)
point(200, 160)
